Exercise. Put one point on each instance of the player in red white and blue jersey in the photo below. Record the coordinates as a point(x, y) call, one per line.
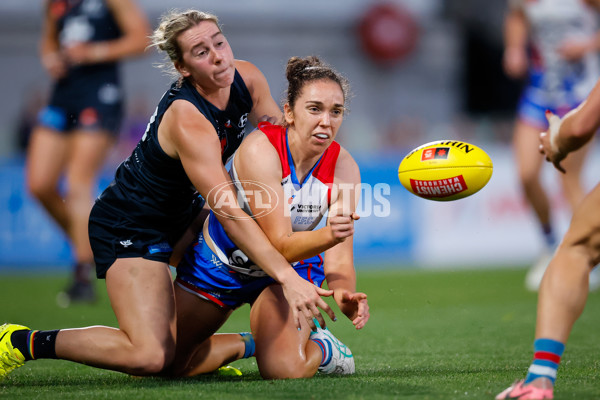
point(565, 285)
point(287, 178)
point(554, 45)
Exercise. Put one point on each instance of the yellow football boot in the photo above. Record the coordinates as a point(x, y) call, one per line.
point(10, 358)
point(228, 370)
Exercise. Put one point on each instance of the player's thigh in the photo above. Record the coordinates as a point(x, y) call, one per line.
point(584, 231)
point(197, 319)
point(274, 330)
point(526, 149)
point(142, 297)
point(46, 157)
point(88, 150)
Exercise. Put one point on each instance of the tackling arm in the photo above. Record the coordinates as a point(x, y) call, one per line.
point(264, 107)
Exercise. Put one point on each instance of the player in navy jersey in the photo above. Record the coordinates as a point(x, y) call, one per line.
point(287, 178)
point(135, 222)
point(82, 43)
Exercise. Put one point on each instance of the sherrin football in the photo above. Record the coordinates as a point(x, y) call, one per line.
point(445, 170)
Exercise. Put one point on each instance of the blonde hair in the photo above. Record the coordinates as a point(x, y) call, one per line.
point(171, 25)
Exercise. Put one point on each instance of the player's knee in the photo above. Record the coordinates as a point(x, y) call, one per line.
point(41, 190)
point(151, 360)
point(79, 193)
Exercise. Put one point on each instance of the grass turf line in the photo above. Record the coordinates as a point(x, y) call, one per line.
point(463, 334)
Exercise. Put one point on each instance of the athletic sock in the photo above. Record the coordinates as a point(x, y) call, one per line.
point(249, 344)
point(549, 237)
point(325, 346)
point(546, 358)
point(35, 344)
point(83, 272)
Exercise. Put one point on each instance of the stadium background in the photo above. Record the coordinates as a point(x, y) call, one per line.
point(444, 83)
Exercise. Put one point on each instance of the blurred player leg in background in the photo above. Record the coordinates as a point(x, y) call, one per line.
point(80, 155)
point(565, 284)
point(529, 166)
point(80, 47)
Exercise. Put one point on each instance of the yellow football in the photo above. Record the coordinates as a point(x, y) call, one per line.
point(445, 170)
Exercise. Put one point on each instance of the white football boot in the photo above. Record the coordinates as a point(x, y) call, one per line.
point(341, 360)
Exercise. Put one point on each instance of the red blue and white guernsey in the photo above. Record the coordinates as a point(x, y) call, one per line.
point(554, 83)
point(226, 275)
point(308, 200)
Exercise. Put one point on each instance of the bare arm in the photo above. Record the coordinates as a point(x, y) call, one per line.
point(185, 134)
point(50, 55)
point(339, 260)
point(257, 160)
point(572, 131)
point(133, 41)
point(265, 108)
point(515, 43)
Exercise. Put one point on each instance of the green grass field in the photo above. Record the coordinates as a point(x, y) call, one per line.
point(432, 335)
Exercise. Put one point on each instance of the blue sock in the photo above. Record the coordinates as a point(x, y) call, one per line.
point(549, 237)
point(249, 343)
point(546, 358)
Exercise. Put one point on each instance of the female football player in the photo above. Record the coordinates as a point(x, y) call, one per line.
point(564, 288)
point(196, 127)
point(306, 173)
point(81, 46)
point(555, 45)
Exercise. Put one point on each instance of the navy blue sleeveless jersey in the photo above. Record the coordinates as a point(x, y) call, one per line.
point(150, 188)
point(85, 21)
point(88, 97)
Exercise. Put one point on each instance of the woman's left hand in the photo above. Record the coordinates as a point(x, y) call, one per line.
point(355, 306)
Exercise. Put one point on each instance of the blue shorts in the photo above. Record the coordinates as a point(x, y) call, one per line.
point(534, 101)
point(202, 273)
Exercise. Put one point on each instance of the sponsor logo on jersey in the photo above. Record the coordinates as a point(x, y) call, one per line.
point(88, 117)
point(216, 261)
point(162, 247)
point(243, 121)
point(306, 208)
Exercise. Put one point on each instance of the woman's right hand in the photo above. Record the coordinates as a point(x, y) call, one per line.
point(305, 299)
point(342, 225)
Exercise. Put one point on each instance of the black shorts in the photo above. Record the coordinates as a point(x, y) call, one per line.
point(113, 236)
point(94, 107)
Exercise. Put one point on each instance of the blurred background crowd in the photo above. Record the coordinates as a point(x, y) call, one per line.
point(420, 70)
